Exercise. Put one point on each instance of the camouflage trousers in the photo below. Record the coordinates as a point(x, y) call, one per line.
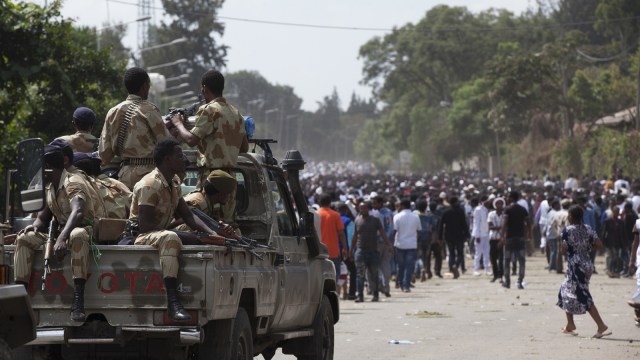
point(27, 243)
point(228, 209)
point(130, 175)
point(168, 245)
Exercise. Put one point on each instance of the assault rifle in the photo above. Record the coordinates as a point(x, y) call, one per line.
point(184, 111)
point(250, 245)
point(48, 250)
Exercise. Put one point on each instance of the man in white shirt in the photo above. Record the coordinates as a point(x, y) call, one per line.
point(480, 236)
point(571, 183)
point(406, 225)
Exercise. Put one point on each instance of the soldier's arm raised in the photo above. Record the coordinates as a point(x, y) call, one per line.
point(183, 134)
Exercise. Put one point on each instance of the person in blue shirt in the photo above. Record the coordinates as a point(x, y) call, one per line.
point(347, 219)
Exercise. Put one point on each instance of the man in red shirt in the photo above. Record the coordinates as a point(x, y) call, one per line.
point(332, 232)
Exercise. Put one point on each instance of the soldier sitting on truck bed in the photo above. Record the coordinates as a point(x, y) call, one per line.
point(156, 197)
point(69, 200)
point(218, 132)
point(115, 195)
point(82, 140)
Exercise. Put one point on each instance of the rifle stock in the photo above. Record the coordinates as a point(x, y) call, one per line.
point(48, 250)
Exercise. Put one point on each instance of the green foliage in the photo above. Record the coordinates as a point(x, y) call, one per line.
point(47, 69)
point(604, 151)
point(599, 91)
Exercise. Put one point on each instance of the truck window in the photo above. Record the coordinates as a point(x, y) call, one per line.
point(287, 225)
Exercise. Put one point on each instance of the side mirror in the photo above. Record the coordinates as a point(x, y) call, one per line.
point(30, 166)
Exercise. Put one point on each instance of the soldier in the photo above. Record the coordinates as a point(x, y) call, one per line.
point(83, 121)
point(68, 199)
point(155, 200)
point(115, 195)
point(131, 130)
point(216, 192)
point(218, 132)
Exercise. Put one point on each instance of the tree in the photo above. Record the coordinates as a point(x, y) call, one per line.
point(47, 69)
point(197, 21)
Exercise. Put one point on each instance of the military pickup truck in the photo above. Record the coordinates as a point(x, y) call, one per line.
point(243, 301)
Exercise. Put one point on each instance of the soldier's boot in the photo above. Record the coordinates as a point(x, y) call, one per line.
point(174, 306)
point(77, 306)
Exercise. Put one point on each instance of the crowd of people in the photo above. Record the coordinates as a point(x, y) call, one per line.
point(496, 221)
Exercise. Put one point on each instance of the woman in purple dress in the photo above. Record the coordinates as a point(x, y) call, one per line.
point(574, 297)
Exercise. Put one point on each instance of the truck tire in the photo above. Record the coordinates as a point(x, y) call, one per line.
point(321, 343)
point(242, 337)
point(5, 350)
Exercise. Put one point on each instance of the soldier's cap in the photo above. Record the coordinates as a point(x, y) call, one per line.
point(222, 181)
point(80, 156)
point(84, 114)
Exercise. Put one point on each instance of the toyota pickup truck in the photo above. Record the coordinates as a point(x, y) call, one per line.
point(243, 301)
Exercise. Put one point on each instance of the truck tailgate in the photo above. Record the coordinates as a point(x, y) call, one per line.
point(125, 285)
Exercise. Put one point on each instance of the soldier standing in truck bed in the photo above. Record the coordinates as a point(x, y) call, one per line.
point(131, 130)
point(69, 199)
point(82, 140)
point(218, 132)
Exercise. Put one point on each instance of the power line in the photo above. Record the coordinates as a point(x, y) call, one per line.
point(356, 28)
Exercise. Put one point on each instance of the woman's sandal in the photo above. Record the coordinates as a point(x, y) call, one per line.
point(569, 332)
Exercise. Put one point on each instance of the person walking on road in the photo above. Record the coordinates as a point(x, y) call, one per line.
point(406, 226)
point(454, 230)
point(574, 297)
point(480, 235)
point(364, 248)
point(516, 222)
point(332, 233)
point(496, 243)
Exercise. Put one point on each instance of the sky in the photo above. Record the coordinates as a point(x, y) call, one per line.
point(314, 61)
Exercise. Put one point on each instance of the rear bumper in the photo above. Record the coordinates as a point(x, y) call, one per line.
point(186, 336)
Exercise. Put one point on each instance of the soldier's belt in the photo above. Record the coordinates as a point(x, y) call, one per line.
point(137, 161)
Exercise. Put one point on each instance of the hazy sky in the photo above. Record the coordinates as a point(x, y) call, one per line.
point(313, 61)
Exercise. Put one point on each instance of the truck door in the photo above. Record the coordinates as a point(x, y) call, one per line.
point(294, 286)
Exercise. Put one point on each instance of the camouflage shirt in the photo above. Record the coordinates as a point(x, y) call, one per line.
point(116, 196)
point(145, 131)
point(196, 199)
point(81, 141)
point(220, 128)
point(154, 190)
point(73, 183)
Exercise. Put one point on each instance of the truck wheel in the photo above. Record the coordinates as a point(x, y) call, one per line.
point(242, 337)
point(321, 343)
point(5, 350)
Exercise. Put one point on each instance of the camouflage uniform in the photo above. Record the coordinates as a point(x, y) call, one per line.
point(145, 131)
point(197, 199)
point(154, 190)
point(81, 141)
point(72, 184)
point(220, 128)
point(115, 195)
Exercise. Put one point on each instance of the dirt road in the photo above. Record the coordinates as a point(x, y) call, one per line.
point(471, 318)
